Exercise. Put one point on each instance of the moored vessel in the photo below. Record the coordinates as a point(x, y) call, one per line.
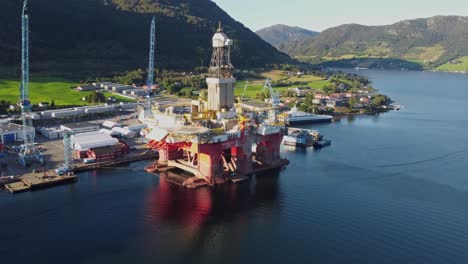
point(301, 137)
point(294, 116)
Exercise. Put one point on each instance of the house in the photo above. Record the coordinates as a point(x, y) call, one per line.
point(155, 86)
point(320, 96)
point(319, 101)
point(43, 104)
point(322, 108)
point(89, 87)
point(337, 102)
point(358, 106)
point(301, 91)
point(365, 100)
point(338, 95)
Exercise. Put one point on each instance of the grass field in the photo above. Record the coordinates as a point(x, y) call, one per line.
point(46, 90)
point(462, 66)
point(256, 86)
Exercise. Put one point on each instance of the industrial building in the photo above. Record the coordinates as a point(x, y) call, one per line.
point(67, 113)
point(107, 153)
point(51, 132)
point(125, 132)
point(121, 88)
point(128, 106)
point(82, 127)
point(111, 124)
point(135, 92)
point(11, 133)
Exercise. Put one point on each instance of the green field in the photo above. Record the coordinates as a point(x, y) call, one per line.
point(256, 86)
point(458, 65)
point(46, 90)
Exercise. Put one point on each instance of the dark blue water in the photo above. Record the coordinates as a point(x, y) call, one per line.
point(393, 188)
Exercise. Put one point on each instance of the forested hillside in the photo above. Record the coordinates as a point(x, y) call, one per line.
point(427, 42)
point(103, 36)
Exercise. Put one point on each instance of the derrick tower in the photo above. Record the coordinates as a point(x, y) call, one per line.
point(220, 75)
point(29, 152)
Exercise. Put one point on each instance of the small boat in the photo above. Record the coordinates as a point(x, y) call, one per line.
point(322, 143)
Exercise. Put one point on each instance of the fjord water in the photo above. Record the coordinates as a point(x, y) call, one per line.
point(392, 188)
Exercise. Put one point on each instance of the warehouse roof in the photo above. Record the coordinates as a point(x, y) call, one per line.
point(79, 125)
point(86, 141)
point(10, 127)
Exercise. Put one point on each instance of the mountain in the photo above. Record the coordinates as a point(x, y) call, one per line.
point(429, 42)
point(104, 36)
point(279, 34)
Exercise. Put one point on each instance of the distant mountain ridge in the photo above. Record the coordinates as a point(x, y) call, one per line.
point(429, 42)
point(278, 34)
point(98, 36)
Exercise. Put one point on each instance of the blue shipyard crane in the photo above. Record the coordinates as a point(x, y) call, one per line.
point(29, 152)
point(150, 80)
point(275, 100)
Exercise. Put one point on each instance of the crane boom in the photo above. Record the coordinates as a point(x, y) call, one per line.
point(28, 152)
point(150, 80)
point(245, 89)
point(275, 101)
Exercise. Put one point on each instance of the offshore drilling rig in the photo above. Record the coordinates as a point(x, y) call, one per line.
point(217, 142)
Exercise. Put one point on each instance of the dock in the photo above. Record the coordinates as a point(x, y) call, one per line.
point(31, 182)
point(37, 181)
point(124, 160)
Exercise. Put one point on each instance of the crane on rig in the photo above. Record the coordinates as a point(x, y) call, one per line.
point(150, 81)
point(28, 152)
point(245, 89)
point(275, 101)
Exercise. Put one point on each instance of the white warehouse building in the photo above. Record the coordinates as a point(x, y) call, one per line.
point(11, 133)
point(82, 127)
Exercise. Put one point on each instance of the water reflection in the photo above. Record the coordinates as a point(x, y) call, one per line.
point(206, 221)
point(167, 202)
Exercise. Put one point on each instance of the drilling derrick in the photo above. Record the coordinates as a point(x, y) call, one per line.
point(29, 152)
point(221, 81)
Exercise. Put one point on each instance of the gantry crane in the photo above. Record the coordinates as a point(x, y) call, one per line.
point(28, 153)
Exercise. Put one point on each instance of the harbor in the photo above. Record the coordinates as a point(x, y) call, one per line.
point(338, 194)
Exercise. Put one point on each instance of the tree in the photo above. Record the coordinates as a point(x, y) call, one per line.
point(352, 102)
point(52, 104)
point(95, 97)
point(204, 95)
point(380, 100)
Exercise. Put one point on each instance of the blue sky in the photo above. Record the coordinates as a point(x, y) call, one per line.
point(322, 14)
